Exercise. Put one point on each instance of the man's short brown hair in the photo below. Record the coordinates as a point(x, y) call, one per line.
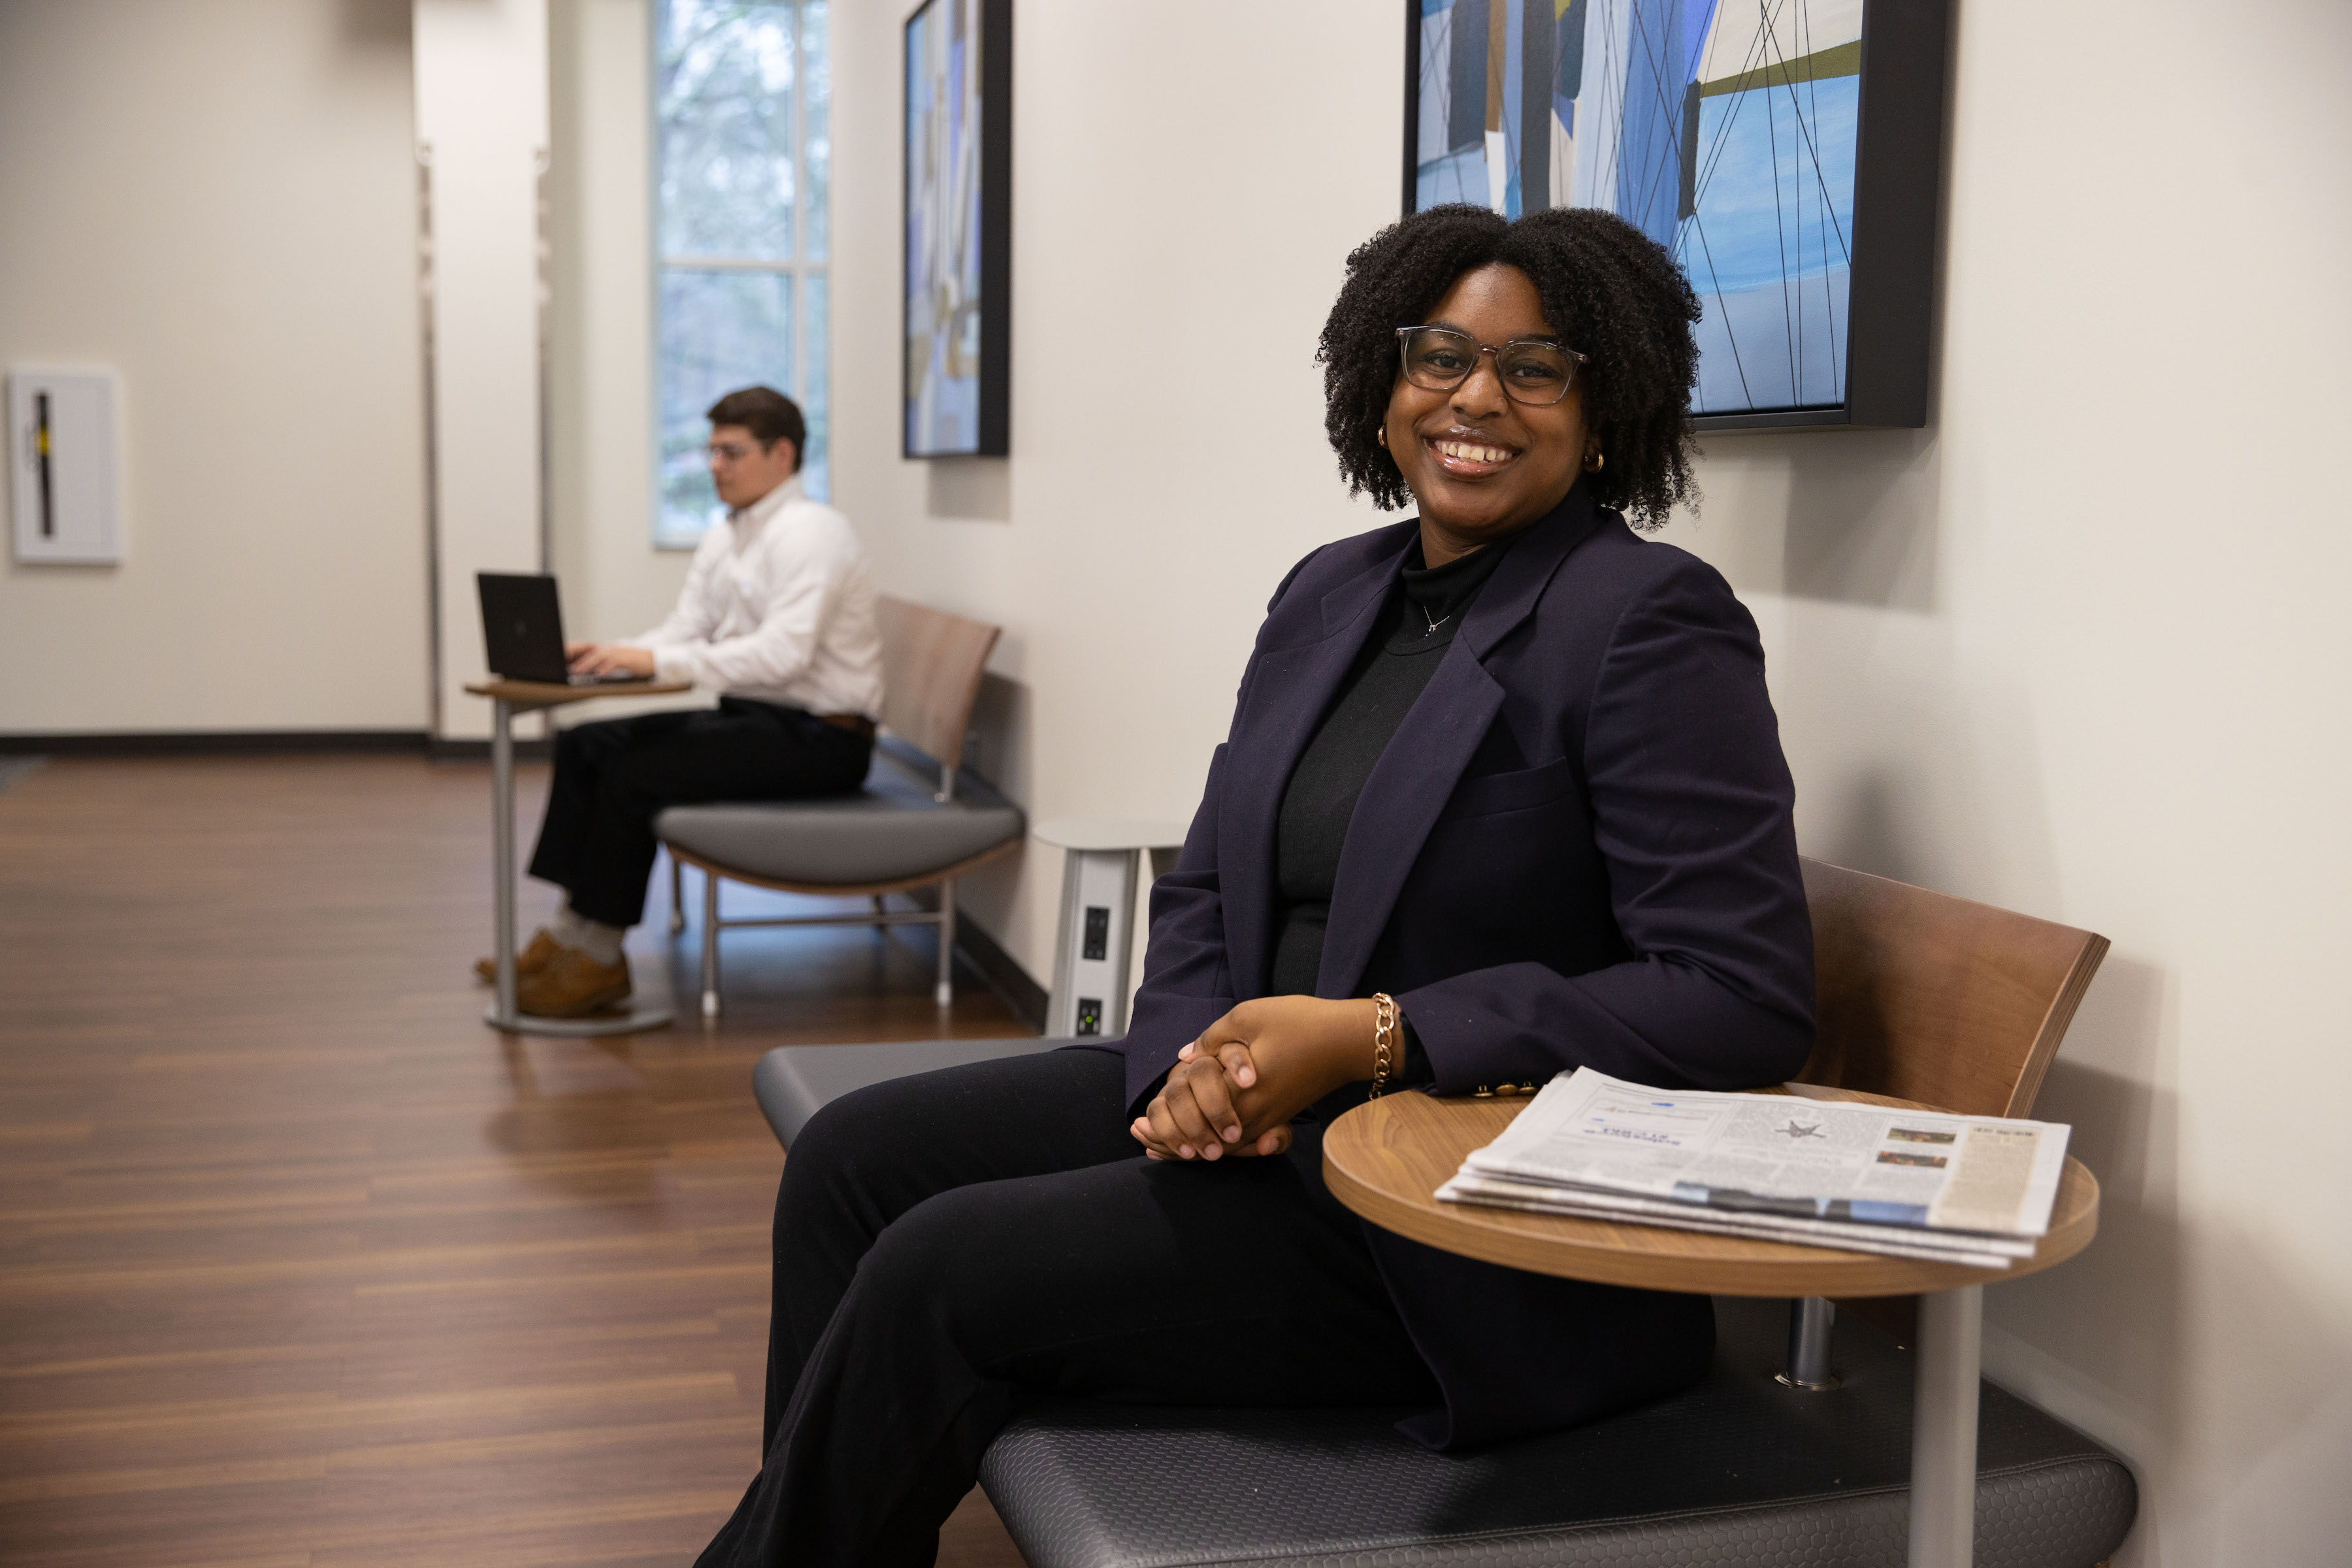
point(768, 414)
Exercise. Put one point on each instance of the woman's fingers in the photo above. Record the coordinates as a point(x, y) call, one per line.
point(1275, 1139)
point(1164, 1130)
point(1200, 1134)
point(1234, 1057)
point(1214, 1094)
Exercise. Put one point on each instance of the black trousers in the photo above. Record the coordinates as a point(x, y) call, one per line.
point(949, 1243)
point(612, 779)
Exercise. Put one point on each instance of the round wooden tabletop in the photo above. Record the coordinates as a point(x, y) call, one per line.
point(1386, 1159)
point(555, 694)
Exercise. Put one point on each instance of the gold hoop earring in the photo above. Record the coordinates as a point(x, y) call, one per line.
point(1381, 436)
point(1597, 461)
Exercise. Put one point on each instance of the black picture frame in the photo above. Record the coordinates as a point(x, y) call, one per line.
point(1898, 175)
point(991, 427)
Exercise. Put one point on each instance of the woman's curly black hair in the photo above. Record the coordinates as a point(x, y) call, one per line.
point(1608, 290)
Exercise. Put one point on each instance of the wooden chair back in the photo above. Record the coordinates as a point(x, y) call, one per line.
point(931, 666)
point(1935, 999)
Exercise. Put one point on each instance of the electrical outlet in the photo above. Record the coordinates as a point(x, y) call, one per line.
point(1089, 1016)
point(1097, 942)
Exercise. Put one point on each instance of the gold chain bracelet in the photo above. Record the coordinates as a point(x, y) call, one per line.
point(1384, 1018)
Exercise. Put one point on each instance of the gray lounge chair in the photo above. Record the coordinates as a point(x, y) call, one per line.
point(914, 825)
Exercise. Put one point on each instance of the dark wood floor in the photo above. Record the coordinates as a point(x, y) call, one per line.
point(299, 1264)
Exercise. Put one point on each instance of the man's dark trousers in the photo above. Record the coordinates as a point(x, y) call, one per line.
point(612, 779)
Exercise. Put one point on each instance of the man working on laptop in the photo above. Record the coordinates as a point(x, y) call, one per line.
point(777, 615)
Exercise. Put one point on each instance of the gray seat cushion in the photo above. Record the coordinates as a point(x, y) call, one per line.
point(1738, 1470)
point(792, 1082)
point(889, 831)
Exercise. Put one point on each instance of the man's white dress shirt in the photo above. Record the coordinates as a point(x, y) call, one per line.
point(778, 606)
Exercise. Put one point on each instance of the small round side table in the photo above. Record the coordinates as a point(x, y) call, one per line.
point(1386, 1159)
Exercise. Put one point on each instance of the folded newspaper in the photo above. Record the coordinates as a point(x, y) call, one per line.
point(1867, 1178)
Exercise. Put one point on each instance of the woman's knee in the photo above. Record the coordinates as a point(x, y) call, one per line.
point(847, 1150)
point(951, 1254)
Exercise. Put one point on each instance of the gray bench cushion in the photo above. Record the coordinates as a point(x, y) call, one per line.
point(890, 830)
point(1738, 1470)
point(792, 1082)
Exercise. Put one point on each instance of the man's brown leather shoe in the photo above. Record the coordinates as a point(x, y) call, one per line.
point(530, 961)
point(573, 985)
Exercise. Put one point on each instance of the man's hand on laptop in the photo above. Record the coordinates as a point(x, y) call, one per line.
point(609, 659)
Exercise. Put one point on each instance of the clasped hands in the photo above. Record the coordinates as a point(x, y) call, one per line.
point(1235, 1090)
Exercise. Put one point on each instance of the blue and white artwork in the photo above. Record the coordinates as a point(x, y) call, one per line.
point(943, 229)
point(1723, 128)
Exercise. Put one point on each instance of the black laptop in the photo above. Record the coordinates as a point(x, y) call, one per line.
point(522, 631)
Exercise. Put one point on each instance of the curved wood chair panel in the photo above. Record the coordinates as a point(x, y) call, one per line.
point(931, 666)
point(1935, 999)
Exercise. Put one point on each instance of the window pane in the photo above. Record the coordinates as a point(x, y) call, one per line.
point(723, 80)
point(816, 57)
point(720, 330)
point(817, 471)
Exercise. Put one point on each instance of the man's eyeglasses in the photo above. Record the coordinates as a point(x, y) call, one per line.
point(1533, 371)
point(732, 451)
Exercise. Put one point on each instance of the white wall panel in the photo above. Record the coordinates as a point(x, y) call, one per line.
point(216, 200)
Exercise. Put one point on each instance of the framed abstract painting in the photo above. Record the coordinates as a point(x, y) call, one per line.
point(958, 239)
point(1787, 151)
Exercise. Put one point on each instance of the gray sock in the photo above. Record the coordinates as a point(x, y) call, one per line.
point(597, 939)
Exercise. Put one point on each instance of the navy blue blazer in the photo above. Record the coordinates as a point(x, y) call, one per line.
point(1576, 849)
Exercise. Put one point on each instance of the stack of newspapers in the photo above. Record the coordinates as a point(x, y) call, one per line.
point(1866, 1178)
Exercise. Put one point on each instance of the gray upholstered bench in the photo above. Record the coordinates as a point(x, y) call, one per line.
point(914, 824)
point(1741, 1469)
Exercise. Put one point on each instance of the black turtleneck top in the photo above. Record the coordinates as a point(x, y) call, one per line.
point(1423, 610)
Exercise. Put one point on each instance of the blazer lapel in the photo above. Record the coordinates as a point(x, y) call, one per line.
point(1423, 760)
point(1293, 687)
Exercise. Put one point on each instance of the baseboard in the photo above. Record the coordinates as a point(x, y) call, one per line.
point(211, 743)
point(1003, 973)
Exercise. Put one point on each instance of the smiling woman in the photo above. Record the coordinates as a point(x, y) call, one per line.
point(1503, 796)
point(1579, 278)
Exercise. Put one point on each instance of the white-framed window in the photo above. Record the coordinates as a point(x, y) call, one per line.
point(741, 165)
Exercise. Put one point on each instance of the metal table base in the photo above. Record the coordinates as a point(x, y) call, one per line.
point(503, 1013)
point(1944, 1427)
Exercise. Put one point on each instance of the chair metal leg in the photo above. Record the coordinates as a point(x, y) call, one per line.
point(710, 944)
point(677, 896)
point(878, 923)
point(944, 992)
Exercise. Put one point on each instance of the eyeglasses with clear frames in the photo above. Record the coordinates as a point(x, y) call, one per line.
point(730, 451)
point(1533, 371)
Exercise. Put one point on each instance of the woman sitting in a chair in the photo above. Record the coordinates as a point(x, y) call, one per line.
point(1503, 796)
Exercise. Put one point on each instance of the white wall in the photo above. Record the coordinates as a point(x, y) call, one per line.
point(2075, 649)
point(218, 200)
